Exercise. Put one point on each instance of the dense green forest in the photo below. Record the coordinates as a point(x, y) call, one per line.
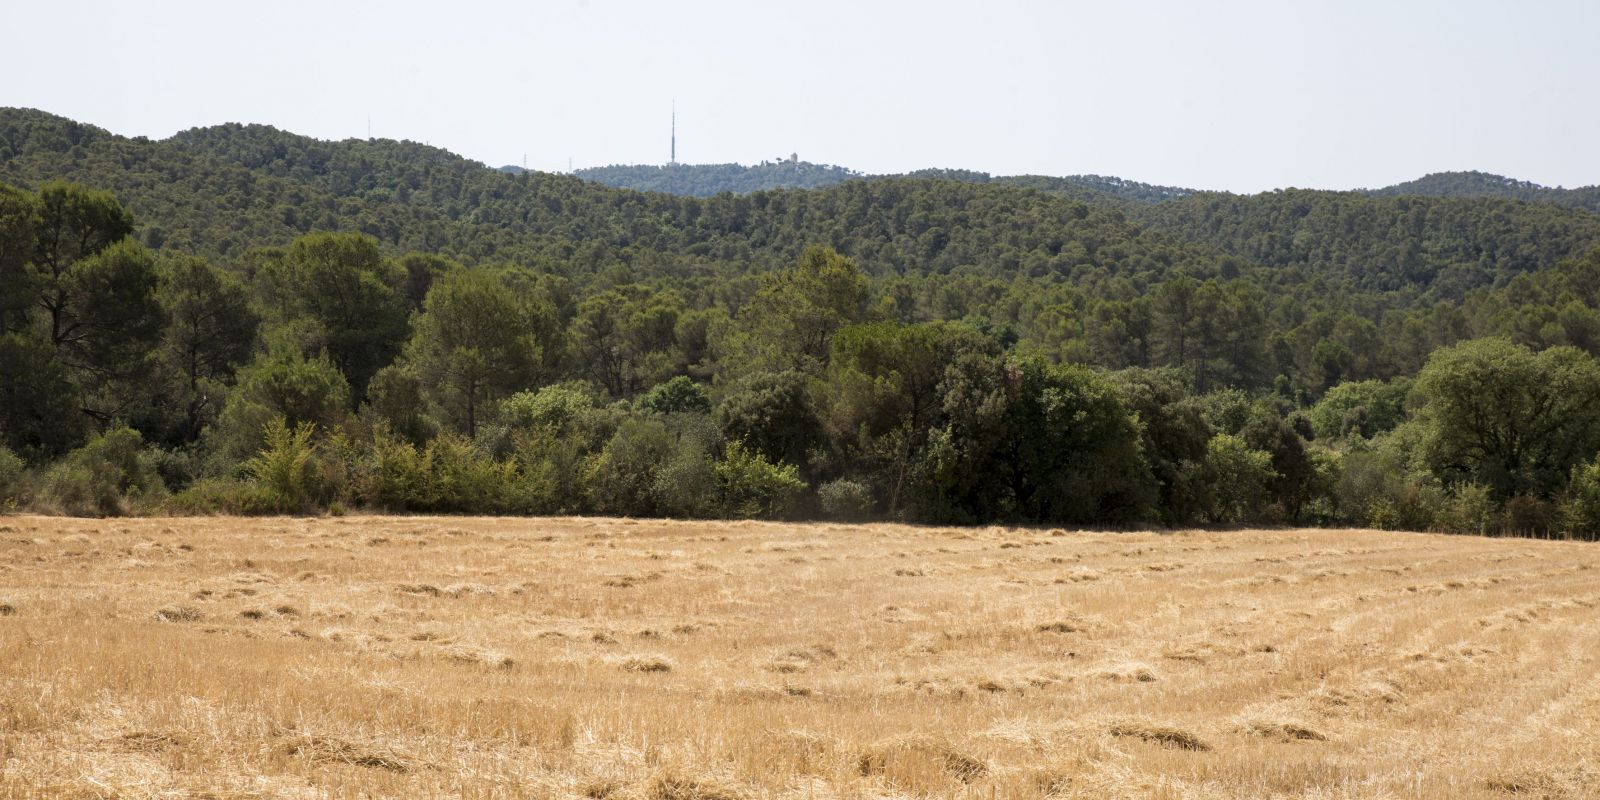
point(1483, 184)
point(706, 180)
point(241, 319)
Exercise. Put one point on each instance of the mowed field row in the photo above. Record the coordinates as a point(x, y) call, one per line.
point(601, 658)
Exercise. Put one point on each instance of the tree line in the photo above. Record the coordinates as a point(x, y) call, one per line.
point(328, 374)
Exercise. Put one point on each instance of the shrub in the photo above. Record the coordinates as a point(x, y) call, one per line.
point(463, 479)
point(287, 468)
point(552, 474)
point(1237, 478)
point(622, 478)
point(395, 398)
point(11, 473)
point(280, 385)
point(686, 484)
point(220, 496)
point(1527, 515)
point(845, 499)
point(1360, 408)
point(396, 477)
point(771, 413)
point(104, 477)
point(1412, 506)
point(553, 407)
point(677, 396)
point(1470, 509)
point(748, 485)
point(1580, 508)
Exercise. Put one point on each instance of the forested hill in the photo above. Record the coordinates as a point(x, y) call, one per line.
point(705, 180)
point(254, 320)
point(1483, 184)
point(1381, 243)
point(219, 191)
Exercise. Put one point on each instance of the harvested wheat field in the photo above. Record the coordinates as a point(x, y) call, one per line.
point(589, 658)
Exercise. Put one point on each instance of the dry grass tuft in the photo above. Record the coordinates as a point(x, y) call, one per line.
point(179, 613)
point(7, 609)
point(645, 663)
point(1285, 731)
point(1132, 672)
point(800, 659)
point(473, 654)
point(917, 750)
point(677, 787)
point(1071, 624)
point(1541, 785)
point(1164, 735)
point(333, 750)
point(151, 741)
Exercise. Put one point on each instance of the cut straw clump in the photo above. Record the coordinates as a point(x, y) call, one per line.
point(333, 750)
point(179, 613)
point(1131, 672)
point(1164, 735)
point(1284, 731)
point(472, 654)
point(881, 757)
point(645, 663)
point(678, 787)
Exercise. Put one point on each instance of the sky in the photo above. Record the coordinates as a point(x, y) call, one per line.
point(1240, 96)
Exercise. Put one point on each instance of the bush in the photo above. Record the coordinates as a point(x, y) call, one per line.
point(621, 480)
point(771, 413)
point(396, 476)
point(677, 396)
point(278, 386)
point(1470, 509)
point(220, 496)
point(1360, 408)
point(553, 407)
point(105, 477)
point(1412, 506)
point(748, 485)
point(1580, 508)
point(287, 468)
point(552, 474)
point(395, 398)
point(463, 479)
point(1527, 515)
point(686, 484)
point(845, 499)
point(12, 471)
point(1237, 479)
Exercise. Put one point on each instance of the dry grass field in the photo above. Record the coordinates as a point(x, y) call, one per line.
point(585, 658)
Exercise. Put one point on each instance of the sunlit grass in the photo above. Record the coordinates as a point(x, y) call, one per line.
point(589, 658)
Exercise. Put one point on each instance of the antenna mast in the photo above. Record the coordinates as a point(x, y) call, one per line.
point(674, 158)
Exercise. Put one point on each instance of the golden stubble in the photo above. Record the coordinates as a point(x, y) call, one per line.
point(405, 657)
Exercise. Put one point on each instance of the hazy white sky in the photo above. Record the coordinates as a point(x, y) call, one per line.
point(1229, 95)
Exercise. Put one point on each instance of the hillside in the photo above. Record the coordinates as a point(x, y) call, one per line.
point(1483, 184)
point(219, 190)
point(423, 333)
point(1446, 245)
point(222, 189)
point(706, 180)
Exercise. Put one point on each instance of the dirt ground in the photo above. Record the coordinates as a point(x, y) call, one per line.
point(599, 658)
